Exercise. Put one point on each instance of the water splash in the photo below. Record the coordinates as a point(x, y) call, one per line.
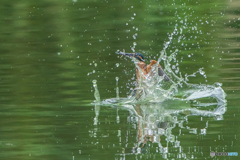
point(117, 88)
point(158, 106)
point(152, 88)
point(96, 93)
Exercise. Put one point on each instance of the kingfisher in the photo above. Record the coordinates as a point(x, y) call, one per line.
point(145, 68)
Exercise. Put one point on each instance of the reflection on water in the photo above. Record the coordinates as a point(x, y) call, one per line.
point(155, 124)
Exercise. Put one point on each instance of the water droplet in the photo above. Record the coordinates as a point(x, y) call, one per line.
point(135, 36)
point(119, 133)
point(126, 24)
point(177, 70)
point(117, 64)
point(59, 53)
point(202, 72)
point(95, 64)
point(138, 150)
point(189, 55)
point(94, 83)
point(117, 78)
point(217, 84)
point(93, 71)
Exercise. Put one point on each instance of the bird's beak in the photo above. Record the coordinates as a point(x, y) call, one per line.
point(126, 54)
point(129, 55)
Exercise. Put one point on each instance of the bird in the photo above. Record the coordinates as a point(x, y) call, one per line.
point(146, 69)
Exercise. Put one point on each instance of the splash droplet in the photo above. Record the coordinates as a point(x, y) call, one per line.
point(96, 93)
point(202, 72)
point(94, 81)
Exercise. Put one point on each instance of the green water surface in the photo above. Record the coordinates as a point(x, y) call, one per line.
point(50, 51)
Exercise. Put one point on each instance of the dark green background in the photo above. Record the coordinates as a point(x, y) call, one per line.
point(49, 49)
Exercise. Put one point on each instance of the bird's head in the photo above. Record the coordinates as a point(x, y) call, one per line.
point(139, 57)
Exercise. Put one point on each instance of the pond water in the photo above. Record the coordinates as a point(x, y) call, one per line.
point(51, 52)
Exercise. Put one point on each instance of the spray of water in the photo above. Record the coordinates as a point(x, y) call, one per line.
point(155, 104)
point(153, 88)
